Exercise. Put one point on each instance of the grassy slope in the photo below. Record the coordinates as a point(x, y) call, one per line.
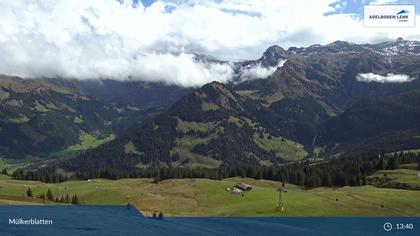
point(3, 95)
point(285, 148)
point(209, 197)
point(400, 178)
point(12, 164)
point(87, 141)
point(187, 143)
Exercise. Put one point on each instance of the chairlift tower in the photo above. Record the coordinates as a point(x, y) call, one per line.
point(280, 205)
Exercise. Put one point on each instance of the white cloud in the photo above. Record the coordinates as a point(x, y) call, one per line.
point(389, 78)
point(176, 69)
point(103, 38)
point(258, 71)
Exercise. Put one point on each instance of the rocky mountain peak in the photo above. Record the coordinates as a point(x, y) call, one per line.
point(273, 55)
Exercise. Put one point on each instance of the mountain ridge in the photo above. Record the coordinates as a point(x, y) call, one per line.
point(281, 118)
point(196, 131)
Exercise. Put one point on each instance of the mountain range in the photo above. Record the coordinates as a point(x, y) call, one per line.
point(43, 117)
point(322, 100)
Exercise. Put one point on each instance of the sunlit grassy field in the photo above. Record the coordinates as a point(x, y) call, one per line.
point(202, 197)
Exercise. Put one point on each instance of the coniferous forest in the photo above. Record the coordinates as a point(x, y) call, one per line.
point(345, 171)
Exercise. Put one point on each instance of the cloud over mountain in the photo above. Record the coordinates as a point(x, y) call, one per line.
point(258, 71)
point(389, 78)
point(91, 39)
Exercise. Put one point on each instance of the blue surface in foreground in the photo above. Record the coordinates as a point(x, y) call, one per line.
point(123, 220)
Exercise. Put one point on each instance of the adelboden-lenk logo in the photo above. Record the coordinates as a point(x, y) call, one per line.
point(389, 16)
point(402, 12)
point(403, 16)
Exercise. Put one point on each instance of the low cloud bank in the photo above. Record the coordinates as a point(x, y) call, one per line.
point(181, 69)
point(388, 78)
point(90, 39)
point(258, 71)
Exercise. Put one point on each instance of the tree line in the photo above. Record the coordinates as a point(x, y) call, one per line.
point(350, 170)
point(50, 197)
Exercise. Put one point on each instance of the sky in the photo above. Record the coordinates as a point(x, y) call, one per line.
point(155, 40)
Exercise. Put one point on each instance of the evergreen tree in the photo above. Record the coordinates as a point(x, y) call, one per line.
point(67, 200)
point(4, 171)
point(75, 200)
point(260, 175)
point(393, 163)
point(29, 192)
point(156, 179)
point(364, 182)
point(381, 164)
point(50, 196)
point(418, 162)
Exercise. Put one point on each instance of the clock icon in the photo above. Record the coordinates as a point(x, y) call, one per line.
point(387, 226)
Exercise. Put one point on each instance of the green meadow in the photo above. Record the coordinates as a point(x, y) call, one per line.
point(87, 141)
point(202, 197)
